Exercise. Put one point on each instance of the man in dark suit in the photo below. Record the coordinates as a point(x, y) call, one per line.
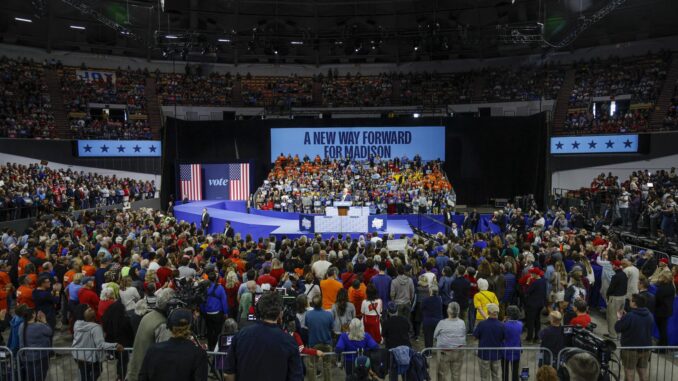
point(205, 220)
point(474, 218)
point(535, 300)
point(228, 230)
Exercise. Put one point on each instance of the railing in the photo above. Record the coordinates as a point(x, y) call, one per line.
point(472, 363)
point(461, 363)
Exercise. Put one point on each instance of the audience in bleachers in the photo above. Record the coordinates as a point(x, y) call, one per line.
point(127, 88)
point(387, 186)
point(24, 190)
point(523, 84)
point(194, 88)
point(25, 108)
point(88, 128)
point(671, 119)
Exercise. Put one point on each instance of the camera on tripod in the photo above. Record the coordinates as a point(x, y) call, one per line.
point(601, 349)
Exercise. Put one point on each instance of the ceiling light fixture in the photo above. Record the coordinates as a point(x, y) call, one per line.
point(23, 19)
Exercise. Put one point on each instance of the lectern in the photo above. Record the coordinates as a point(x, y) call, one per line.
point(342, 207)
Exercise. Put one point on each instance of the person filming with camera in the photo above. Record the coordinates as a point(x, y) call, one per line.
point(263, 351)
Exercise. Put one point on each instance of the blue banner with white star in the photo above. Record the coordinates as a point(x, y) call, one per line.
point(119, 148)
point(594, 144)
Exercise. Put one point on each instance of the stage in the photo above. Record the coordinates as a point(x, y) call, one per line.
point(269, 223)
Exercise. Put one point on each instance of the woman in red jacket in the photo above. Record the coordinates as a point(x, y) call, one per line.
point(232, 284)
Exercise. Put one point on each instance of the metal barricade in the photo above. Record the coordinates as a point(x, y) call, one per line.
point(54, 364)
point(315, 367)
point(7, 368)
point(473, 363)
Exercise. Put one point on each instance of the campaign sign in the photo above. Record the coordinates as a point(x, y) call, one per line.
point(360, 143)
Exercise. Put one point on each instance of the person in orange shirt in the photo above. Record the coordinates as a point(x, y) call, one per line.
point(76, 268)
point(6, 285)
point(329, 288)
point(31, 275)
point(24, 294)
point(356, 294)
point(23, 261)
point(87, 268)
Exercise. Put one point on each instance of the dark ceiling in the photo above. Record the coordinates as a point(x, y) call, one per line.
point(327, 31)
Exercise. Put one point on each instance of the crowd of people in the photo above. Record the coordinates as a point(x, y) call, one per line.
point(396, 186)
point(90, 128)
point(25, 107)
point(117, 279)
point(645, 202)
point(671, 118)
point(123, 87)
point(640, 77)
point(37, 189)
point(507, 85)
point(194, 88)
point(280, 93)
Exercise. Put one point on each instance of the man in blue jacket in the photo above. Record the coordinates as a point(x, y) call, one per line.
point(320, 324)
point(490, 334)
point(635, 328)
point(215, 309)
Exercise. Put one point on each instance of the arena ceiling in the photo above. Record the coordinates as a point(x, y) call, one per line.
point(329, 31)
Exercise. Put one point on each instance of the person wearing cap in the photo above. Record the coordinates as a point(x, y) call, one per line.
point(615, 297)
point(535, 301)
point(23, 261)
point(280, 361)
point(87, 295)
point(180, 357)
point(490, 334)
point(662, 267)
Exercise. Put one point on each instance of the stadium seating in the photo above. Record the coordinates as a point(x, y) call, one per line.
point(25, 107)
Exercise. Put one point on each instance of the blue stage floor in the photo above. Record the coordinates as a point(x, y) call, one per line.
point(258, 225)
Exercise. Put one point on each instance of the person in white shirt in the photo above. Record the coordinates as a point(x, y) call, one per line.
point(623, 203)
point(320, 267)
point(633, 275)
point(450, 333)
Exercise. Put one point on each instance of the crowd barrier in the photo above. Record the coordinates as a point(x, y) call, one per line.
point(464, 363)
point(458, 364)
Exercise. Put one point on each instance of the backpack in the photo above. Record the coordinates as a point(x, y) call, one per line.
point(361, 367)
point(418, 370)
point(13, 341)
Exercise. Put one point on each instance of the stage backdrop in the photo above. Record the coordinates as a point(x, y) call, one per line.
point(485, 157)
point(214, 181)
point(360, 143)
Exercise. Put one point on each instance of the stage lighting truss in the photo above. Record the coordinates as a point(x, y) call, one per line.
point(533, 33)
point(86, 10)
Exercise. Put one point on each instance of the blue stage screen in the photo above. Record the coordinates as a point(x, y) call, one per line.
point(360, 142)
point(119, 148)
point(594, 144)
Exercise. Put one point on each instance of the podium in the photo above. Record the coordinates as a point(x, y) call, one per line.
point(342, 207)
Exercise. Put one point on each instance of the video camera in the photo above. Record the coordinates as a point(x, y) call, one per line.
point(191, 294)
point(601, 349)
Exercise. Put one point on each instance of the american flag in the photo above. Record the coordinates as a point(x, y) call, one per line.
point(239, 184)
point(191, 181)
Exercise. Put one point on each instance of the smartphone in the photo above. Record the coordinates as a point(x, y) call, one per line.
point(525, 374)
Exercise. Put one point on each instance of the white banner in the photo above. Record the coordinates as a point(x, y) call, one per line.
point(95, 75)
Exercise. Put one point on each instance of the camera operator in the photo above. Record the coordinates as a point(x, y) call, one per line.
point(582, 366)
point(178, 358)
point(635, 328)
point(263, 351)
point(146, 333)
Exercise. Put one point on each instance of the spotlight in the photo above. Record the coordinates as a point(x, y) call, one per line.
point(416, 47)
point(416, 115)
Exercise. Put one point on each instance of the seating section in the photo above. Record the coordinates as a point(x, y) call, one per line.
point(213, 89)
point(522, 84)
point(632, 83)
point(25, 107)
point(613, 95)
point(671, 119)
